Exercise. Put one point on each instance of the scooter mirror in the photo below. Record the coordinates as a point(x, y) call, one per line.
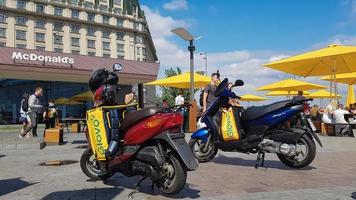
point(117, 67)
point(239, 83)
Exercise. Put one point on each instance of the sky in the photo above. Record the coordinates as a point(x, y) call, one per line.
point(240, 36)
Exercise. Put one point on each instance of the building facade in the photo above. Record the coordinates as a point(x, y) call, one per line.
point(56, 44)
point(103, 28)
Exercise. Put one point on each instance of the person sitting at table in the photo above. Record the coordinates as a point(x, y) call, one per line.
point(315, 113)
point(340, 119)
point(328, 111)
point(352, 109)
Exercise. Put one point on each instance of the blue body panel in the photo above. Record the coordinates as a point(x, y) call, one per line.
point(202, 134)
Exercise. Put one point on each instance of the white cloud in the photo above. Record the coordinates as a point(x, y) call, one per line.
point(176, 5)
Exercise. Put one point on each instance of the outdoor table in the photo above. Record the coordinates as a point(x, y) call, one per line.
point(69, 120)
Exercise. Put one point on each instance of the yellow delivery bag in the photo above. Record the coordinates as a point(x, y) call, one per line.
point(97, 132)
point(229, 128)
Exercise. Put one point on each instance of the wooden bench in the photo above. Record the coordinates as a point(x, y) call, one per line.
point(75, 127)
point(54, 136)
point(329, 129)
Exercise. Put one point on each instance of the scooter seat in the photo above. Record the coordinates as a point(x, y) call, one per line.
point(255, 112)
point(132, 118)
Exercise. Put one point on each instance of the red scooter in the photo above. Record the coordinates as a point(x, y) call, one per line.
point(150, 142)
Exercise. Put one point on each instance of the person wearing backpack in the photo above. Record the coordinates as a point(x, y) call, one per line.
point(35, 109)
point(24, 119)
point(208, 92)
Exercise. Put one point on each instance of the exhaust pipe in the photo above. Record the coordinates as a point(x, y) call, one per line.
point(272, 146)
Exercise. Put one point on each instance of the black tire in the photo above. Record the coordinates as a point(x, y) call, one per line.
point(201, 156)
point(176, 181)
point(308, 158)
point(90, 170)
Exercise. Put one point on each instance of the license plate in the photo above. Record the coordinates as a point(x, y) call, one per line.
point(311, 124)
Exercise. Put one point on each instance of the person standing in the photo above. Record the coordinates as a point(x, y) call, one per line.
point(24, 119)
point(179, 100)
point(209, 90)
point(50, 115)
point(35, 108)
point(299, 97)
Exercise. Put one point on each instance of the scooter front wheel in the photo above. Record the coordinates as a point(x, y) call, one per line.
point(202, 151)
point(91, 168)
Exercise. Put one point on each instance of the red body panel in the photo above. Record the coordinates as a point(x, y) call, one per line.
point(152, 126)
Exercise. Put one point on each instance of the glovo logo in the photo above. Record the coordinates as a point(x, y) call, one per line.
point(98, 137)
point(229, 128)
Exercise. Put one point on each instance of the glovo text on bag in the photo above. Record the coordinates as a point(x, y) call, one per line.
point(228, 125)
point(97, 132)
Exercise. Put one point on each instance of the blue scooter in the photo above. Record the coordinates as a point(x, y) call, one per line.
point(262, 129)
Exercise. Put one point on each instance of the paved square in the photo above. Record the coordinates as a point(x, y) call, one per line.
point(332, 176)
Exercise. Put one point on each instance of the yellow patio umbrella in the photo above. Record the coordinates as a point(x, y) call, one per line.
point(321, 94)
point(350, 96)
point(285, 93)
point(251, 97)
point(85, 96)
point(182, 81)
point(334, 59)
point(290, 85)
point(65, 101)
point(347, 78)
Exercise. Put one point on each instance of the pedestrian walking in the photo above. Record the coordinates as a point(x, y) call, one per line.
point(35, 109)
point(24, 119)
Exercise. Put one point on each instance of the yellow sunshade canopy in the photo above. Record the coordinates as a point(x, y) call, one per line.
point(334, 59)
point(350, 96)
point(321, 94)
point(182, 81)
point(290, 85)
point(85, 96)
point(65, 101)
point(285, 93)
point(348, 78)
point(251, 97)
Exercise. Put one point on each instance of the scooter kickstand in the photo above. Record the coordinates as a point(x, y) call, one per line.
point(137, 187)
point(260, 158)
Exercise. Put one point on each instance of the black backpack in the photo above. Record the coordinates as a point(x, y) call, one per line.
point(201, 98)
point(24, 104)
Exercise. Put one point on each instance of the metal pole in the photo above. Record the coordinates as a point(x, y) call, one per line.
point(191, 49)
point(206, 64)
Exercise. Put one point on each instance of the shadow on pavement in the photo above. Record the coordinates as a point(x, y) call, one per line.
point(79, 142)
point(121, 181)
point(2, 156)
point(11, 185)
point(94, 193)
point(251, 163)
point(353, 195)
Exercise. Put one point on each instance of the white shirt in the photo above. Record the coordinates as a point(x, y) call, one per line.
point(339, 116)
point(179, 100)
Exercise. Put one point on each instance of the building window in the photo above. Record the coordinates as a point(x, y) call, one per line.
point(40, 37)
point(120, 57)
point(106, 19)
point(58, 11)
point(138, 50)
point(120, 48)
point(40, 48)
point(40, 23)
point(58, 26)
point(91, 44)
point(2, 44)
point(75, 14)
point(58, 49)
point(120, 22)
point(40, 8)
point(139, 39)
point(91, 17)
point(106, 34)
point(75, 41)
point(20, 35)
point(2, 18)
point(106, 55)
point(106, 45)
point(144, 51)
point(73, 2)
point(21, 46)
point(58, 39)
point(2, 3)
point(103, 8)
point(91, 31)
point(21, 4)
point(88, 4)
point(3, 32)
point(91, 53)
point(21, 20)
point(117, 2)
point(136, 26)
point(74, 28)
point(120, 35)
point(117, 10)
point(76, 52)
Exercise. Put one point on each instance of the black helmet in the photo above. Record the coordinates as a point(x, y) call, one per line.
point(112, 79)
point(97, 78)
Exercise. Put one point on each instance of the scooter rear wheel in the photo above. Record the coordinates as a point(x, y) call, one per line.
point(91, 169)
point(202, 155)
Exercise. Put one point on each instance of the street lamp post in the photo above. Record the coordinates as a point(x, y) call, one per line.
point(185, 35)
point(206, 61)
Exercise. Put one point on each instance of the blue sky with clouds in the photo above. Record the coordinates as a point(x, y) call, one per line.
point(241, 35)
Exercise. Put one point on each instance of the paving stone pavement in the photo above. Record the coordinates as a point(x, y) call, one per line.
point(229, 176)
